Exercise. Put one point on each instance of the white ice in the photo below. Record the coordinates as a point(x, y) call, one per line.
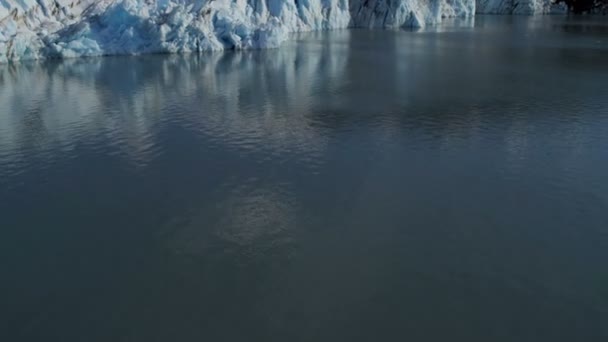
point(34, 29)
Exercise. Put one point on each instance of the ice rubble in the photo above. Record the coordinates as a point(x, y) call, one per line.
point(33, 29)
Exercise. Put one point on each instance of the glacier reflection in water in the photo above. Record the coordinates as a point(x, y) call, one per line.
point(351, 185)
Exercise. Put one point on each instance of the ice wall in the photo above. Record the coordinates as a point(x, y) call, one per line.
point(33, 29)
point(414, 13)
point(519, 7)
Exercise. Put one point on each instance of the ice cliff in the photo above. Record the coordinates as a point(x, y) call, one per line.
point(519, 7)
point(33, 29)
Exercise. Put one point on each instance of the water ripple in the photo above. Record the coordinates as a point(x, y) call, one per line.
point(347, 176)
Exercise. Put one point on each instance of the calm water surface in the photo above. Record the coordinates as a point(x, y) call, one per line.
point(449, 184)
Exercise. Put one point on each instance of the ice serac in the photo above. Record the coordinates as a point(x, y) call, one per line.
point(519, 7)
point(33, 29)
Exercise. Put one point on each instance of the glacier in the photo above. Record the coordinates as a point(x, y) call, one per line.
point(528, 7)
point(37, 29)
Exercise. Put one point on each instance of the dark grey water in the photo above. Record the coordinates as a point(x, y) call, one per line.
point(449, 184)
